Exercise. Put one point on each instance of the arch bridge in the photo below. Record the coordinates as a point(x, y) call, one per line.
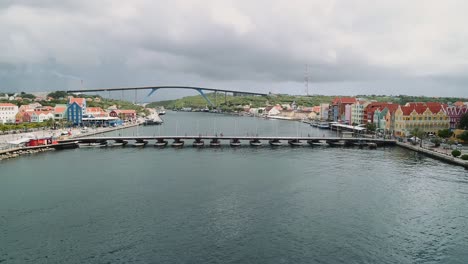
point(153, 89)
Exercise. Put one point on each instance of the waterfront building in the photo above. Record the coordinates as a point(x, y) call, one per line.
point(384, 118)
point(429, 117)
point(324, 111)
point(127, 115)
point(8, 113)
point(274, 111)
point(347, 115)
point(41, 116)
point(357, 112)
point(455, 113)
point(338, 107)
point(96, 112)
point(60, 112)
point(75, 109)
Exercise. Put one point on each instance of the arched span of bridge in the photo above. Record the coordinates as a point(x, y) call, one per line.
point(197, 89)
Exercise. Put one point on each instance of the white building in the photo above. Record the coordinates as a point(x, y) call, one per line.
point(41, 116)
point(357, 112)
point(8, 113)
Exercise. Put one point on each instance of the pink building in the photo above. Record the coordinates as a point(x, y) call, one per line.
point(455, 113)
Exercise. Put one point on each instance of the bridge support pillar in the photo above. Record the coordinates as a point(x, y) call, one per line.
point(152, 91)
point(204, 96)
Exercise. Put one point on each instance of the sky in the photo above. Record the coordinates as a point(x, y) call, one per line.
point(350, 47)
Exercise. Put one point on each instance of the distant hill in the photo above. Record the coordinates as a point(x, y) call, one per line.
point(230, 102)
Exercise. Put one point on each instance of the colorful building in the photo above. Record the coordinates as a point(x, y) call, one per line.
point(338, 107)
point(75, 109)
point(455, 114)
point(60, 112)
point(128, 115)
point(429, 117)
point(357, 112)
point(8, 113)
point(41, 116)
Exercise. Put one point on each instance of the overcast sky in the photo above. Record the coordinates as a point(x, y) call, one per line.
point(351, 46)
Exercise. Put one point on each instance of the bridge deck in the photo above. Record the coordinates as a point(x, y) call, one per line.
point(90, 139)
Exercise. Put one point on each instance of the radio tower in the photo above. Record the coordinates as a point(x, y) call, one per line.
point(306, 79)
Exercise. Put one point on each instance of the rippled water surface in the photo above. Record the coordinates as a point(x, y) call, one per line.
point(246, 205)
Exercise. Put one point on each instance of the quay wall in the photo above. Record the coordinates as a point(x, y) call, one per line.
point(434, 154)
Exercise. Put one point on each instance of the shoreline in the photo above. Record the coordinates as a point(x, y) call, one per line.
point(448, 158)
point(20, 151)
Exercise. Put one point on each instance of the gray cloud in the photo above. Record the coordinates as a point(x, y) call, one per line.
point(351, 47)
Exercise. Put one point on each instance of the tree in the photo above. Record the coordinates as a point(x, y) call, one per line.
point(456, 153)
point(419, 133)
point(58, 94)
point(370, 127)
point(445, 133)
point(463, 136)
point(436, 142)
point(463, 121)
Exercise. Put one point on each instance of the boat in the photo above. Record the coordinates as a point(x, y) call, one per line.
point(360, 144)
point(339, 143)
point(162, 112)
point(152, 120)
point(323, 125)
point(295, 142)
point(275, 142)
point(320, 143)
point(255, 143)
point(314, 123)
point(92, 145)
point(372, 145)
point(235, 143)
point(68, 145)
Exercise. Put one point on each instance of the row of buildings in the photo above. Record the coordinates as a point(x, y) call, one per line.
point(396, 119)
point(389, 118)
point(75, 112)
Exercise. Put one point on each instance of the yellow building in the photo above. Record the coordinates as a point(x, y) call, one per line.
point(429, 117)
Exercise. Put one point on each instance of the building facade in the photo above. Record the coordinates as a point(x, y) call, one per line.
point(75, 110)
point(428, 117)
point(455, 114)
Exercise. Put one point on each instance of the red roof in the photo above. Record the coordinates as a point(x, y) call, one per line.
point(344, 100)
point(79, 101)
point(6, 104)
point(122, 111)
point(59, 110)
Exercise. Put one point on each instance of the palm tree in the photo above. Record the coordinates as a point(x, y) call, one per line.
point(419, 133)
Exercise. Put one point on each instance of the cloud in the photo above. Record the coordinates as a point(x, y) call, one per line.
point(351, 47)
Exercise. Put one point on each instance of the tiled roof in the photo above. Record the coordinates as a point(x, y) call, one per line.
point(79, 101)
point(344, 100)
point(6, 104)
point(59, 110)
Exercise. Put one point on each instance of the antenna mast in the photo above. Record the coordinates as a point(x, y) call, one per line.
point(306, 79)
